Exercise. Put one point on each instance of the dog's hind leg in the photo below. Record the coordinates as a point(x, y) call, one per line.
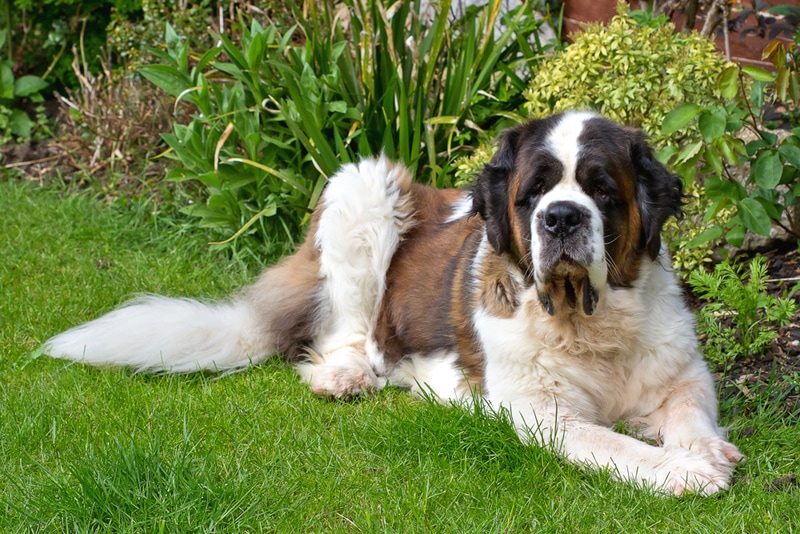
point(364, 212)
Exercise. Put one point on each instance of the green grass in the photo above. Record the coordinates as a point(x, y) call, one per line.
point(88, 450)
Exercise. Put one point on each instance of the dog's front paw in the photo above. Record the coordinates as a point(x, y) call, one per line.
point(685, 470)
point(722, 454)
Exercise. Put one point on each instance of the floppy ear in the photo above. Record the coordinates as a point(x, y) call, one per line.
point(490, 194)
point(658, 191)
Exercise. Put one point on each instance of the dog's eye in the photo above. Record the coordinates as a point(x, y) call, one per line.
point(530, 194)
point(602, 187)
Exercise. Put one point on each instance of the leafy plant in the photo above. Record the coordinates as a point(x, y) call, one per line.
point(14, 120)
point(768, 194)
point(235, 145)
point(648, 17)
point(628, 72)
point(45, 31)
point(275, 118)
point(420, 92)
point(741, 319)
point(128, 38)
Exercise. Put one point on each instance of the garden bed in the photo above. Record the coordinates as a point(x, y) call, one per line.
point(776, 374)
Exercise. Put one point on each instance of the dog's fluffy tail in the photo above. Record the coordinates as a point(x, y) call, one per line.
point(278, 314)
point(154, 334)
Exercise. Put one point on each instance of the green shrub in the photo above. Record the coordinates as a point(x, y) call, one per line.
point(235, 145)
point(49, 29)
point(768, 194)
point(741, 319)
point(275, 118)
point(129, 38)
point(630, 73)
point(15, 123)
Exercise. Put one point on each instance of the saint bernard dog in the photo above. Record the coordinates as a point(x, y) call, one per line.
point(545, 289)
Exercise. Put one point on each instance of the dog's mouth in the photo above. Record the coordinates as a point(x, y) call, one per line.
point(568, 287)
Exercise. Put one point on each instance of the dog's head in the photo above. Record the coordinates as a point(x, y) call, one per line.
point(578, 202)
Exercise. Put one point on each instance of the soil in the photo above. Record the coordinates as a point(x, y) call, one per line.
point(36, 160)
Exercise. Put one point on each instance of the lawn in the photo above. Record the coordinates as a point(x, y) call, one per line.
point(87, 450)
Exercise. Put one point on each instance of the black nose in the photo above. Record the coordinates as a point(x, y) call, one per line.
point(562, 218)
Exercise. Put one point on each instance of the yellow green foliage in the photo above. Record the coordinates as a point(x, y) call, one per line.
point(468, 167)
point(685, 237)
point(629, 73)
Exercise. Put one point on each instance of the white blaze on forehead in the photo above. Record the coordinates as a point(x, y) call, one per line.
point(563, 143)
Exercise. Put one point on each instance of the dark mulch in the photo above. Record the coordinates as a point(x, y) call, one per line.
point(37, 160)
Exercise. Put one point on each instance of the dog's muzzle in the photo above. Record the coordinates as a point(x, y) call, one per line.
point(566, 257)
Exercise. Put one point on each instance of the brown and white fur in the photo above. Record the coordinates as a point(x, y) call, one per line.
point(545, 289)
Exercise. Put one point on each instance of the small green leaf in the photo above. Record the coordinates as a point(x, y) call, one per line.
point(28, 85)
point(767, 169)
point(757, 93)
point(679, 117)
point(170, 36)
point(782, 83)
point(665, 154)
point(791, 154)
point(20, 124)
point(339, 106)
point(754, 146)
point(689, 151)
point(708, 235)
point(754, 216)
point(769, 137)
point(718, 188)
point(442, 120)
point(727, 149)
point(712, 124)
point(210, 179)
point(180, 174)
point(711, 155)
point(771, 208)
point(728, 82)
point(167, 78)
point(757, 73)
point(735, 236)
point(6, 80)
point(794, 86)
